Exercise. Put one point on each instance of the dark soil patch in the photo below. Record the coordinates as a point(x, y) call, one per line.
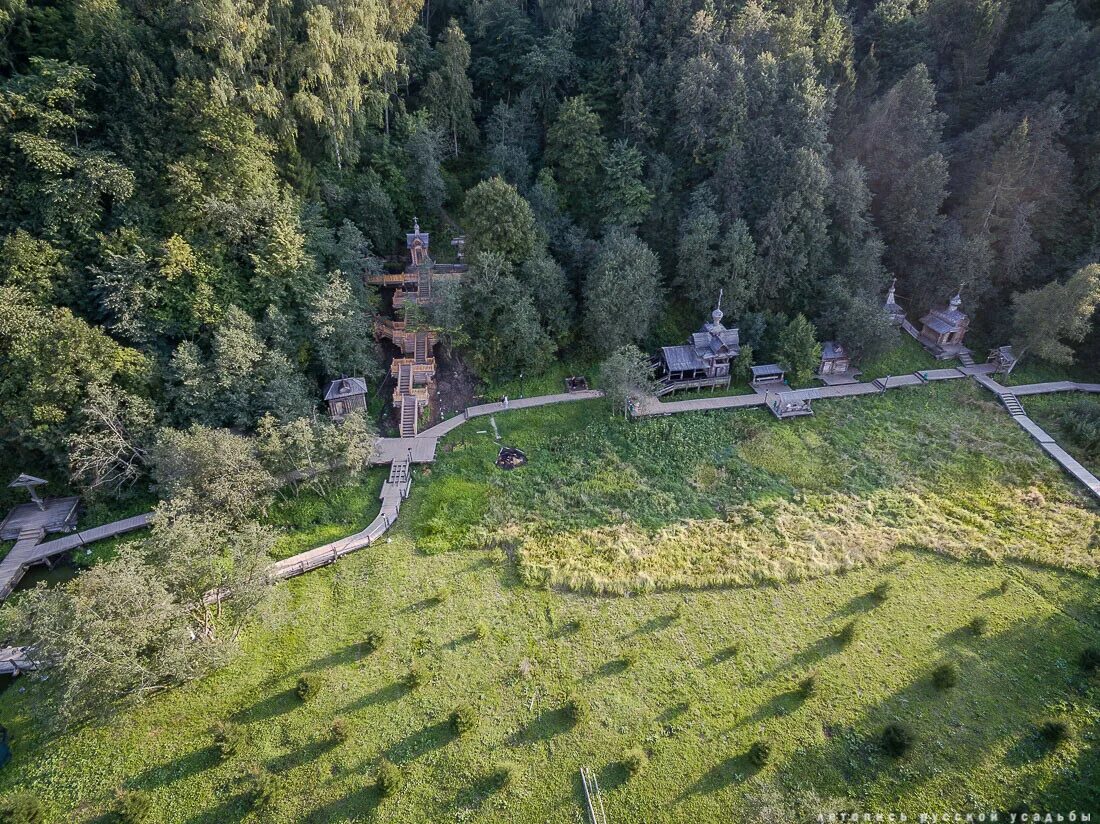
point(456, 384)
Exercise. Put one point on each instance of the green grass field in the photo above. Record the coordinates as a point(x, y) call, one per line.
point(693, 675)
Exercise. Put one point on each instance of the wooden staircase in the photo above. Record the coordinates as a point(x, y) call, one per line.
point(420, 348)
point(408, 416)
point(966, 359)
point(1012, 404)
point(404, 379)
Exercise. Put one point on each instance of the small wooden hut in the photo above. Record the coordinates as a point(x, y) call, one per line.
point(344, 396)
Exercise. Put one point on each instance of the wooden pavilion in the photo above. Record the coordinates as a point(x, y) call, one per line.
point(767, 377)
point(41, 515)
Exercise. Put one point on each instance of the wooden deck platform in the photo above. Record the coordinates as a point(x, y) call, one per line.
point(56, 515)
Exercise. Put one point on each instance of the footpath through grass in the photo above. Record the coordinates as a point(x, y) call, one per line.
point(692, 677)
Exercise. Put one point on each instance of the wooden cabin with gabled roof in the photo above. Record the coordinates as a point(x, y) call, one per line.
point(703, 362)
point(345, 396)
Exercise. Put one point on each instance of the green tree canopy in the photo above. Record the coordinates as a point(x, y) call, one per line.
point(622, 292)
point(498, 220)
point(1046, 319)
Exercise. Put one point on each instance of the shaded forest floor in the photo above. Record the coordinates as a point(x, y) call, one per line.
point(693, 676)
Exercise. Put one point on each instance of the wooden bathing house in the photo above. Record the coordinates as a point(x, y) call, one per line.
point(701, 363)
point(345, 396)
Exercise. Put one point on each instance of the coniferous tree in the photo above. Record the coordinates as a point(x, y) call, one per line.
point(622, 292)
point(449, 92)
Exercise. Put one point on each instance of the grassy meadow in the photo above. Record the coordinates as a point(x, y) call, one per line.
point(678, 579)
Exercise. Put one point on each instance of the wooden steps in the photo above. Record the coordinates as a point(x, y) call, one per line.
point(408, 416)
point(1011, 403)
point(966, 359)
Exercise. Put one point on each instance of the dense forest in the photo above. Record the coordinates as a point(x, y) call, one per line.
point(192, 192)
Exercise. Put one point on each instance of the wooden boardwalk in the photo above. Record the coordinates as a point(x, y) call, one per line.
point(29, 550)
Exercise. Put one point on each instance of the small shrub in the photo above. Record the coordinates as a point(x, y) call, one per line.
point(339, 729)
point(264, 790)
point(897, 739)
point(307, 687)
point(1006, 585)
point(629, 658)
point(375, 640)
point(978, 626)
point(679, 612)
point(881, 592)
point(847, 634)
point(759, 753)
point(808, 685)
point(417, 676)
point(576, 710)
point(1090, 659)
point(1055, 731)
point(442, 595)
point(635, 760)
point(481, 631)
point(228, 738)
point(21, 808)
point(464, 719)
point(389, 779)
point(945, 676)
point(134, 807)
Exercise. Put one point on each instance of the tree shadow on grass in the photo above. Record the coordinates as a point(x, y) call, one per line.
point(455, 643)
point(613, 776)
point(303, 755)
point(857, 605)
point(232, 808)
point(957, 636)
point(474, 795)
point(566, 629)
point(544, 726)
point(813, 654)
point(383, 695)
point(345, 655)
point(267, 708)
point(616, 666)
point(782, 703)
point(673, 712)
point(355, 806)
point(181, 767)
point(655, 624)
point(422, 605)
point(731, 771)
point(722, 655)
point(421, 742)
